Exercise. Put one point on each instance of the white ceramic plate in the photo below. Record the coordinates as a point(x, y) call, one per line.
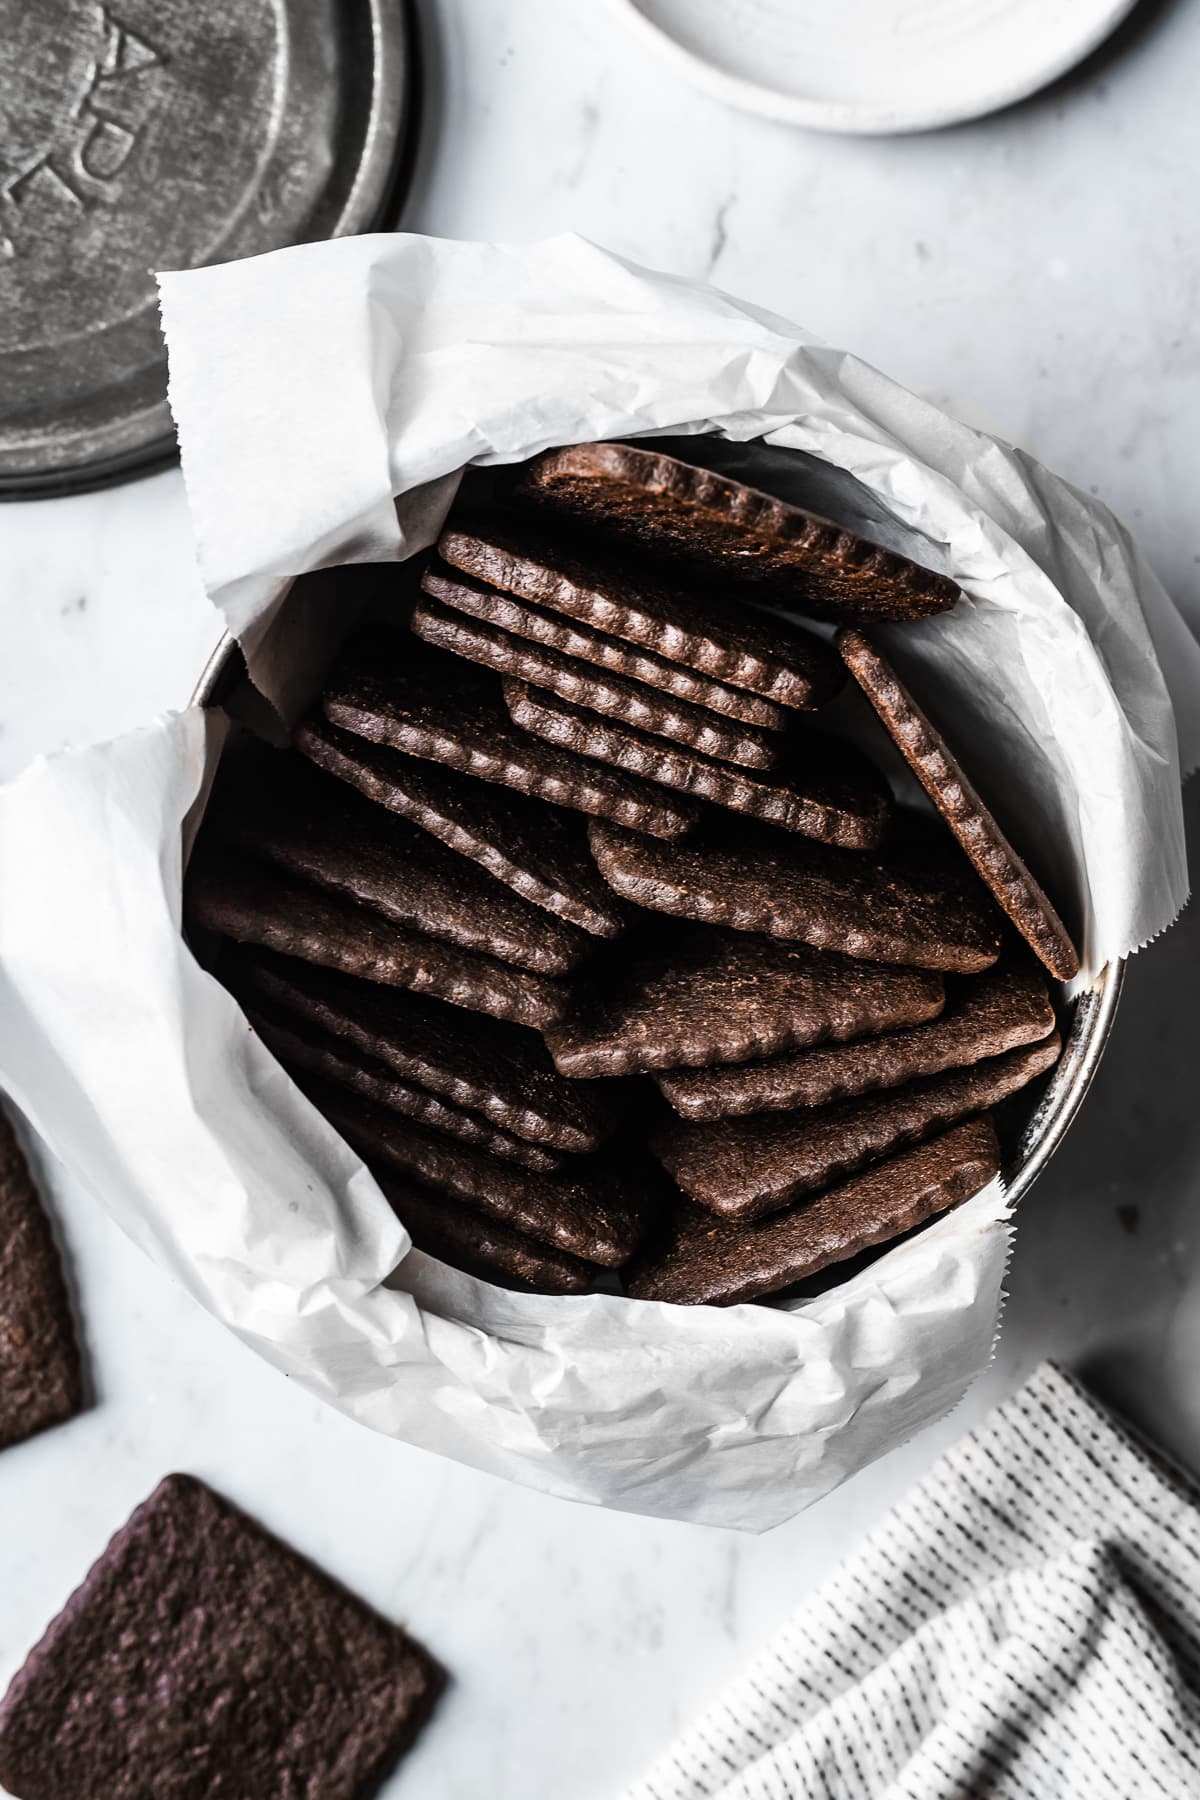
point(875, 65)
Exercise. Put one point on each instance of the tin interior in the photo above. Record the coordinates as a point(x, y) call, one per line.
point(1028, 1137)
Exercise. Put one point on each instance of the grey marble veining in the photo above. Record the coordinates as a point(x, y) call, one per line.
point(1038, 273)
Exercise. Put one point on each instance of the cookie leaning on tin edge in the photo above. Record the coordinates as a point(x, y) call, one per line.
point(746, 1168)
point(501, 1071)
point(690, 628)
point(281, 807)
point(702, 1261)
point(394, 690)
point(712, 522)
point(1000, 1010)
point(253, 903)
point(538, 850)
point(592, 1212)
point(824, 788)
point(468, 1240)
point(695, 996)
point(615, 696)
point(202, 1656)
point(915, 903)
point(307, 1051)
point(40, 1380)
point(941, 775)
point(556, 631)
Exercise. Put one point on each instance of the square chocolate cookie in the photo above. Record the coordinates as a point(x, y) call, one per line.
point(203, 1657)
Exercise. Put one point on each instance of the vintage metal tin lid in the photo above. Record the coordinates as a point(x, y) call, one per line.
point(148, 134)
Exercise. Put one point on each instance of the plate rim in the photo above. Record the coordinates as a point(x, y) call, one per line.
point(846, 118)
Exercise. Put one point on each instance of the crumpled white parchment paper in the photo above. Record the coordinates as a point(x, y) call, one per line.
point(327, 399)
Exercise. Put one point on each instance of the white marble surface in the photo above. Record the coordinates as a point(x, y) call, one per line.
point(1039, 274)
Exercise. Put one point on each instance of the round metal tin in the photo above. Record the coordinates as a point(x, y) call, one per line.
point(1086, 1021)
point(147, 134)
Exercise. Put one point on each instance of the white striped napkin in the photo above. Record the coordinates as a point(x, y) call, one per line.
point(1025, 1625)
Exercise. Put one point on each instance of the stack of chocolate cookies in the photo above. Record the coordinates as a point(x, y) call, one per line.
point(602, 954)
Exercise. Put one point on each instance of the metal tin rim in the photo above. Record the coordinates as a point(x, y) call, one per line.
point(1092, 1015)
point(380, 186)
point(205, 691)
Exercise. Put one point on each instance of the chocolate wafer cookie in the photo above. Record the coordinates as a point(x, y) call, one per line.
point(502, 1072)
point(702, 1261)
point(538, 850)
point(40, 1381)
point(591, 1213)
point(941, 775)
point(280, 806)
point(307, 1051)
point(746, 1168)
point(520, 618)
point(1003, 1008)
point(914, 904)
point(719, 525)
point(731, 644)
point(202, 1656)
point(394, 690)
point(825, 788)
point(597, 690)
point(695, 996)
point(468, 1240)
point(254, 903)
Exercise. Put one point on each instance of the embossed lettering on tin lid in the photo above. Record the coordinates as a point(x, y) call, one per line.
point(144, 134)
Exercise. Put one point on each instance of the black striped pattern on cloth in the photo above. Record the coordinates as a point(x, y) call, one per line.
point(1024, 1625)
